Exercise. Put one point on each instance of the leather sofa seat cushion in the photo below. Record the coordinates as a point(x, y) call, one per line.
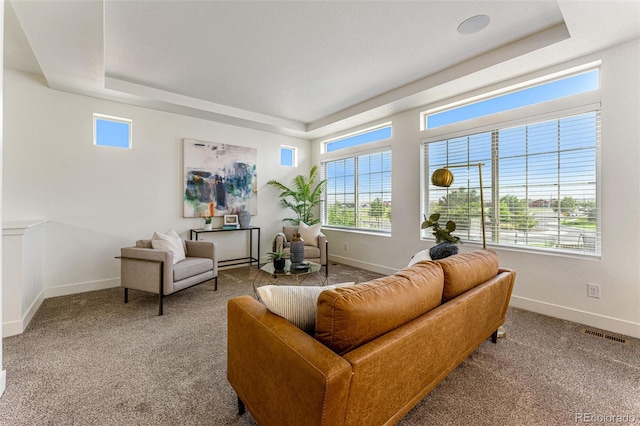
point(352, 316)
point(190, 267)
point(463, 272)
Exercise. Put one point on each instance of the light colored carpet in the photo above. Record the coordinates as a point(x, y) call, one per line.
point(90, 359)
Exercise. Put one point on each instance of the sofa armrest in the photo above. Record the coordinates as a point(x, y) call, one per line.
point(205, 249)
point(283, 375)
point(145, 275)
point(322, 244)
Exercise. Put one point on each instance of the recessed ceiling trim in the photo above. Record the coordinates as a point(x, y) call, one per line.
point(199, 104)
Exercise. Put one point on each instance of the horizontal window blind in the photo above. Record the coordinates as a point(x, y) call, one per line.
point(358, 193)
point(539, 184)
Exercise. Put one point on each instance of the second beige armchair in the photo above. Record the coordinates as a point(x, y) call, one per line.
point(316, 251)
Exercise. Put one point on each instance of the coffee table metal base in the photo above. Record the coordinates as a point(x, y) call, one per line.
point(269, 275)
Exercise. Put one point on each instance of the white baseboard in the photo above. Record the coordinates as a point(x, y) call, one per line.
point(615, 325)
point(11, 328)
point(65, 290)
point(3, 381)
point(364, 265)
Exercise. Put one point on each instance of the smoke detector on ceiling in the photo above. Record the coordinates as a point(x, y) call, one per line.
point(474, 24)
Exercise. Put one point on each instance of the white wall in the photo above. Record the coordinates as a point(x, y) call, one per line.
point(3, 374)
point(98, 199)
point(549, 284)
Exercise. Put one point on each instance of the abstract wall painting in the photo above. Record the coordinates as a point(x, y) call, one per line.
point(219, 179)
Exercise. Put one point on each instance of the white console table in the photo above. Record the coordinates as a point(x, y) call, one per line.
point(22, 273)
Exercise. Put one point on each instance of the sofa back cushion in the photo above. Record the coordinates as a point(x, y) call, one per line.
point(464, 271)
point(351, 316)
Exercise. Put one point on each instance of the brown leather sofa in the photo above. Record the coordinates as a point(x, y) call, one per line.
point(379, 347)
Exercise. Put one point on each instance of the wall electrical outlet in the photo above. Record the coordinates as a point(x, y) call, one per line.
point(593, 290)
point(346, 246)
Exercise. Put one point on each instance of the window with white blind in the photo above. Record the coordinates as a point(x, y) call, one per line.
point(539, 183)
point(358, 193)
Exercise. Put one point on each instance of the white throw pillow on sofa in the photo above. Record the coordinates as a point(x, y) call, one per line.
point(296, 304)
point(169, 242)
point(419, 257)
point(309, 233)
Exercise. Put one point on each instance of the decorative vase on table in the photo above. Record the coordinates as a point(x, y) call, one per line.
point(297, 249)
point(244, 218)
point(279, 264)
point(442, 250)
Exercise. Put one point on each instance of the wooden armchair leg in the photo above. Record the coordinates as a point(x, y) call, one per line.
point(215, 288)
point(241, 407)
point(126, 295)
point(494, 337)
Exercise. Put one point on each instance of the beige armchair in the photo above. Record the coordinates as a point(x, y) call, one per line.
point(317, 252)
point(152, 270)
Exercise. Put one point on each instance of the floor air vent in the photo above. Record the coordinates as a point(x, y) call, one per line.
point(604, 336)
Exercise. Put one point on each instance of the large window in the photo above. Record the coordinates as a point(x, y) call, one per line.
point(358, 193)
point(539, 183)
point(357, 167)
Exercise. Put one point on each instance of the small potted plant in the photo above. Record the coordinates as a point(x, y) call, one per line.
point(207, 223)
point(279, 258)
point(445, 242)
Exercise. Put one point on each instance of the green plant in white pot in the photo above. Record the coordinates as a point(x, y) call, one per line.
point(208, 226)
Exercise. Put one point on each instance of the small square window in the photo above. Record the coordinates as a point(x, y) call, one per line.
point(111, 131)
point(288, 156)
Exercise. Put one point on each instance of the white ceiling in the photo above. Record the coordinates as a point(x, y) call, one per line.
point(303, 68)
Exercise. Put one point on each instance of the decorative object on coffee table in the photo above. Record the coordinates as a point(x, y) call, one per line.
point(297, 249)
point(279, 258)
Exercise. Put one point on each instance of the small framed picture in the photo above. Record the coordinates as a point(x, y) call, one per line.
point(231, 221)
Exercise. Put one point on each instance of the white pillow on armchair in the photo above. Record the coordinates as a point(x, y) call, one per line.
point(309, 233)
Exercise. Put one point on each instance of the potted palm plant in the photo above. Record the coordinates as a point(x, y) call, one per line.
point(302, 197)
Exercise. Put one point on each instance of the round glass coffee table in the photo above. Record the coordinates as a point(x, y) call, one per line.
point(270, 275)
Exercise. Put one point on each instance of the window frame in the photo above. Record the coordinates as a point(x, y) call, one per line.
point(380, 147)
point(109, 118)
point(294, 155)
point(324, 145)
point(571, 105)
point(513, 86)
point(366, 148)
